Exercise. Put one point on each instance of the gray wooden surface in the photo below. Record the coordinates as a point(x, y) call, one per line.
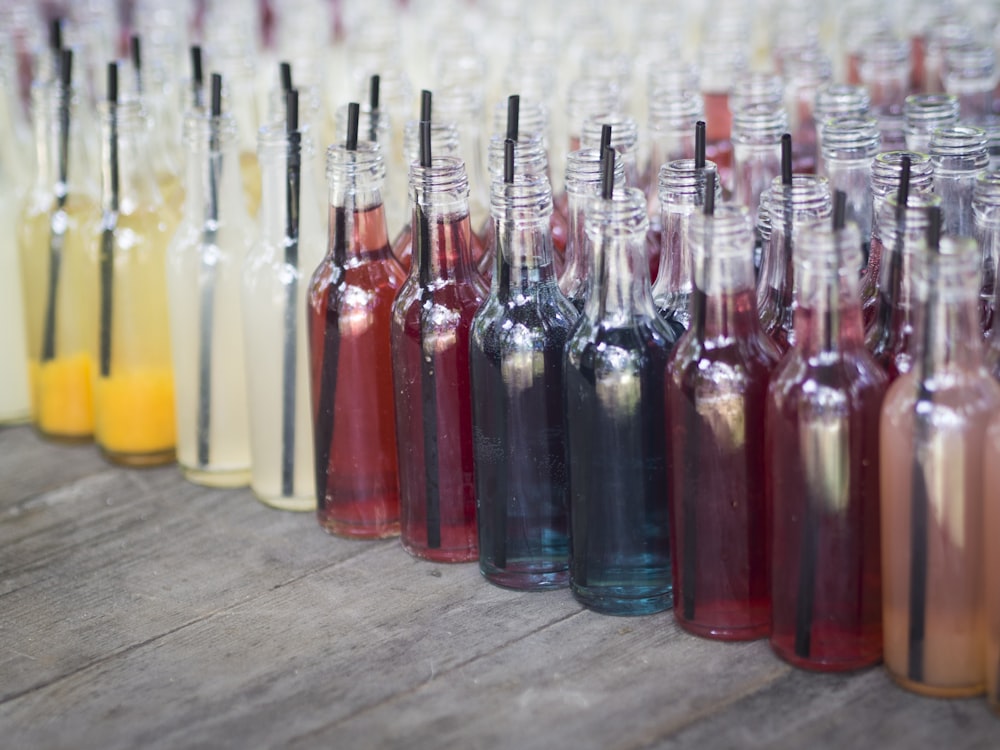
point(137, 610)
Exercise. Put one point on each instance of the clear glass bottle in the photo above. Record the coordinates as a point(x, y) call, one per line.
point(204, 278)
point(890, 336)
point(464, 107)
point(716, 391)
point(134, 394)
point(431, 321)
point(350, 302)
point(933, 427)
point(275, 285)
point(755, 88)
point(56, 234)
point(838, 100)
point(614, 369)
point(886, 171)
point(720, 65)
point(624, 140)
point(958, 154)
point(971, 75)
point(670, 128)
point(757, 131)
point(588, 97)
point(516, 363)
point(991, 561)
point(583, 179)
point(885, 71)
point(821, 438)
point(805, 73)
point(986, 212)
point(793, 206)
point(925, 113)
point(682, 193)
point(941, 30)
point(849, 145)
point(762, 230)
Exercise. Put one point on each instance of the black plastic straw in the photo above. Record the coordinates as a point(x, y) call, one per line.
point(699, 145)
point(921, 500)
point(206, 314)
point(508, 161)
point(197, 77)
point(57, 234)
point(513, 116)
point(425, 106)
point(285, 75)
point(55, 36)
point(787, 211)
point(136, 54)
point(353, 115)
point(290, 344)
point(110, 222)
point(422, 251)
point(373, 104)
point(608, 174)
point(888, 301)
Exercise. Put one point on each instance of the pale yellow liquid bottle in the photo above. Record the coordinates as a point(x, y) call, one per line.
point(204, 273)
point(135, 390)
point(58, 259)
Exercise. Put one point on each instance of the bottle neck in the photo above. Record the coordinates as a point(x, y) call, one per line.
point(277, 191)
point(212, 187)
point(128, 184)
point(947, 333)
point(828, 315)
point(442, 236)
point(524, 257)
point(60, 146)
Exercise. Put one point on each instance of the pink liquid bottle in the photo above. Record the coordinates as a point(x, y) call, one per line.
point(991, 562)
point(349, 312)
point(821, 442)
point(886, 171)
point(716, 391)
point(796, 200)
point(986, 213)
point(890, 336)
point(837, 100)
point(431, 318)
point(932, 430)
point(885, 71)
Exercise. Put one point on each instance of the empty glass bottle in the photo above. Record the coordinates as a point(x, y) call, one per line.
point(613, 375)
point(671, 128)
point(933, 427)
point(838, 100)
point(716, 389)
point(925, 113)
point(849, 145)
point(516, 364)
point(959, 155)
point(757, 131)
point(822, 469)
point(970, 74)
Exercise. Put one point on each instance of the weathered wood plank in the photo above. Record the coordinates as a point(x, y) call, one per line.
point(29, 466)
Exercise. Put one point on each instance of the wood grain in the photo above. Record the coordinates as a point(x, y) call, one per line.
point(137, 610)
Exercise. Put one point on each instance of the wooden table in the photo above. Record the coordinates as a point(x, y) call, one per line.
point(137, 610)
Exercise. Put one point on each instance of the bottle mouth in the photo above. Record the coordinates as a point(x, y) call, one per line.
point(444, 139)
point(445, 175)
point(926, 109)
point(526, 202)
point(364, 166)
point(273, 137)
point(754, 89)
point(529, 154)
point(860, 135)
point(841, 100)
point(987, 189)
point(624, 131)
point(808, 194)
point(626, 213)
point(583, 171)
point(760, 121)
point(959, 140)
point(679, 181)
point(532, 119)
point(888, 166)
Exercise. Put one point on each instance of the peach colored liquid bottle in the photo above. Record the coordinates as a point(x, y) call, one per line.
point(991, 515)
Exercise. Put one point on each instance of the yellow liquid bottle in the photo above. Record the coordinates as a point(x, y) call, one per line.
point(135, 386)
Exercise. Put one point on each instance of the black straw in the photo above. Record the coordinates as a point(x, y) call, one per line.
point(57, 227)
point(136, 53)
point(373, 103)
point(353, 114)
point(508, 161)
point(197, 76)
point(293, 184)
point(699, 145)
point(110, 223)
point(887, 300)
point(786, 159)
point(425, 143)
point(608, 175)
point(513, 116)
point(425, 106)
point(918, 480)
point(285, 74)
point(55, 37)
point(839, 210)
point(709, 205)
point(605, 141)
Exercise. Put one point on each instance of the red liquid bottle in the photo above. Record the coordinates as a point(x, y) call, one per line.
point(793, 206)
point(886, 170)
point(821, 440)
point(721, 61)
point(715, 395)
point(431, 318)
point(889, 338)
point(350, 308)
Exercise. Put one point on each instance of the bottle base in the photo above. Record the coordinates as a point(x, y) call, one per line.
point(935, 691)
point(222, 479)
point(527, 580)
point(828, 665)
point(624, 606)
point(292, 503)
point(350, 531)
point(64, 438)
point(15, 418)
point(140, 460)
point(442, 555)
point(718, 633)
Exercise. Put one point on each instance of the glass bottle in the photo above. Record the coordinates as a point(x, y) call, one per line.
point(682, 193)
point(886, 171)
point(614, 367)
point(204, 268)
point(941, 31)
point(971, 75)
point(588, 97)
point(275, 284)
point(849, 145)
point(986, 212)
point(716, 391)
point(991, 561)
point(889, 337)
point(463, 106)
point(821, 441)
point(431, 321)
point(59, 269)
point(134, 393)
point(350, 302)
point(583, 179)
point(925, 113)
point(885, 72)
point(755, 88)
point(757, 131)
point(762, 230)
point(933, 426)
point(793, 206)
point(958, 154)
point(624, 140)
point(670, 129)
point(516, 363)
point(805, 73)
point(838, 100)
point(720, 65)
